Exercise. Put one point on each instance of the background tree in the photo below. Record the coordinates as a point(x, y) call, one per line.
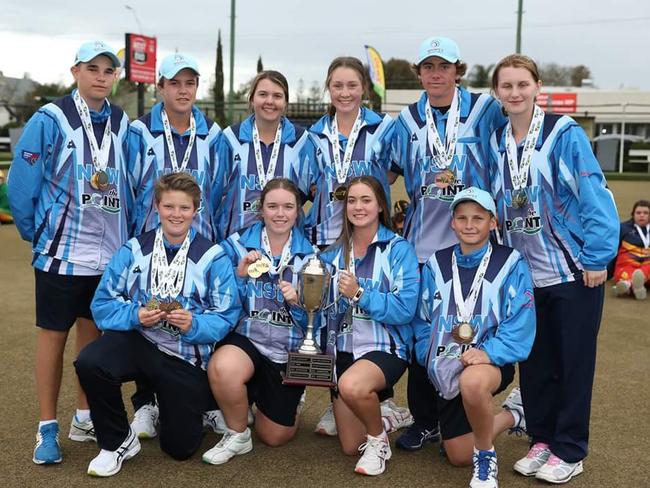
point(260, 66)
point(579, 73)
point(480, 76)
point(399, 75)
point(217, 91)
point(315, 91)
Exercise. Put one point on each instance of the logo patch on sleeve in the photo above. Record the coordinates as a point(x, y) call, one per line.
point(31, 157)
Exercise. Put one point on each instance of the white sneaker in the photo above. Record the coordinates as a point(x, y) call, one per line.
point(145, 421)
point(251, 416)
point(485, 470)
point(558, 471)
point(535, 459)
point(327, 425)
point(375, 452)
point(638, 285)
point(108, 463)
point(213, 419)
point(394, 417)
point(622, 288)
point(231, 444)
point(515, 406)
point(82, 431)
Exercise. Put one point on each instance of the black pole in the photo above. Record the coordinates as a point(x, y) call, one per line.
point(141, 92)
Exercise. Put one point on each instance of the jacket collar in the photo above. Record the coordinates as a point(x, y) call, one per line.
point(199, 118)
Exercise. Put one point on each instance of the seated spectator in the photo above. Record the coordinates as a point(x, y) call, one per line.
point(632, 270)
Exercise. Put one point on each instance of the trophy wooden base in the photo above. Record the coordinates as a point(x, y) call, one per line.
point(309, 370)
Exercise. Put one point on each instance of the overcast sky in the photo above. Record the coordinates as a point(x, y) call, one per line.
point(301, 37)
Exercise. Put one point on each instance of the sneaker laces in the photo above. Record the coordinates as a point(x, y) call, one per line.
point(48, 436)
point(486, 463)
point(227, 438)
point(378, 445)
point(537, 449)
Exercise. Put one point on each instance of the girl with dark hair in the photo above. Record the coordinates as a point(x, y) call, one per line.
point(632, 270)
point(264, 146)
point(248, 364)
point(375, 285)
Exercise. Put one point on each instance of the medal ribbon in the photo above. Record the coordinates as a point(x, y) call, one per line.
point(259, 162)
point(443, 155)
point(167, 279)
point(343, 167)
point(170, 142)
point(465, 308)
point(98, 153)
point(285, 257)
point(645, 238)
point(519, 172)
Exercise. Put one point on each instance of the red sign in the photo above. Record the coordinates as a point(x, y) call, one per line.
point(140, 58)
point(558, 103)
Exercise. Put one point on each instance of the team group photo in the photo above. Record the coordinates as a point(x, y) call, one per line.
point(449, 291)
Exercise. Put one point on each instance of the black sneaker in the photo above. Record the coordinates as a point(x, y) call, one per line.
point(415, 437)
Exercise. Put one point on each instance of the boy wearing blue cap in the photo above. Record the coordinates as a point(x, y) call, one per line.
point(475, 319)
point(70, 199)
point(174, 137)
point(440, 147)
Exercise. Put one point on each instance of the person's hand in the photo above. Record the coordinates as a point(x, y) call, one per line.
point(348, 285)
point(592, 279)
point(288, 292)
point(474, 356)
point(150, 318)
point(180, 318)
point(250, 258)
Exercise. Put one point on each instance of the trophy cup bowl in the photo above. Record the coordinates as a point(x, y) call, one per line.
point(308, 366)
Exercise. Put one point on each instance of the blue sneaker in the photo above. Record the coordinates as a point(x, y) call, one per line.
point(415, 437)
point(47, 450)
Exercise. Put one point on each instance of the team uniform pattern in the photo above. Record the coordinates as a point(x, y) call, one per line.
point(74, 229)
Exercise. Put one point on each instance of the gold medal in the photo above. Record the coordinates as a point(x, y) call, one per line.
point(445, 178)
point(152, 304)
point(253, 270)
point(264, 264)
point(519, 198)
point(463, 333)
point(340, 192)
point(99, 180)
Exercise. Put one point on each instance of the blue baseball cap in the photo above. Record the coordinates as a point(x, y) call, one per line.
point(443, 47)
point(91, 49)
point(476, 195)
point(172, 64)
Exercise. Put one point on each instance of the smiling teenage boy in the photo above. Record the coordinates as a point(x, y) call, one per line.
point(69, 197)
point(476, 318)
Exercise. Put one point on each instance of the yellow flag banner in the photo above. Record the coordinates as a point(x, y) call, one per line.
point(376, 71)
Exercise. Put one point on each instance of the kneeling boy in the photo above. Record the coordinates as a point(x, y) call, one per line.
point(476, 317)
point(166, 297)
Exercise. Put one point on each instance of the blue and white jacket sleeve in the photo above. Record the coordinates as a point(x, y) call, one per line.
point(398, 147)
point(596, 205)
point(224, 161)
point(135, 162)
point(221, 316)
point(396, 307)
point(422, 320)
point(516, 330)
point(112, 306)
point(33, 152)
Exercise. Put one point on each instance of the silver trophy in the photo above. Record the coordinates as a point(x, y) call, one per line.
point(309, 366)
